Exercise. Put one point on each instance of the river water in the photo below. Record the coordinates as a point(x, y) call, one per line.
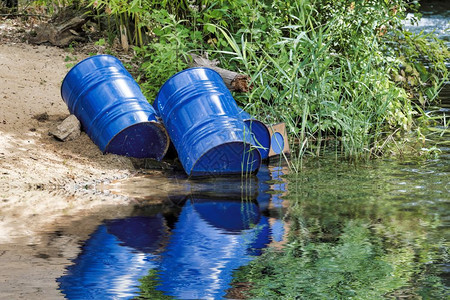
point(189, 251)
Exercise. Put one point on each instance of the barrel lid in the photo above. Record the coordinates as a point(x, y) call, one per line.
point(228, 159)
point(261, 135)
point(260, 131)
point(141, 140)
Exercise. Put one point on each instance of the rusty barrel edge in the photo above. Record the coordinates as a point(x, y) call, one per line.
point(115, 114)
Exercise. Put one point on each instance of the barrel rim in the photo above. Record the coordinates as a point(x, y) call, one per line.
point(267, 131)
point(157, 124)
point(250, 145)
point(79, 63)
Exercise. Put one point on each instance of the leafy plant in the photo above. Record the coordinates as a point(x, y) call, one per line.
point(422, 68)
point(168, 53)
point(323, 68)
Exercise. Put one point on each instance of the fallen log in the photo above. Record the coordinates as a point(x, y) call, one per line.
point(234, 81)
point(61, 31)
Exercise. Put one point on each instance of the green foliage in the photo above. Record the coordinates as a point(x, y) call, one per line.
point(167, 54)
point(323, 68)
point(322, 73)
point(423, 71)
point(339, 73)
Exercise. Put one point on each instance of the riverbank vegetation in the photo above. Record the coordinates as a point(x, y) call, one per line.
point(341, 71)
point(341, 74)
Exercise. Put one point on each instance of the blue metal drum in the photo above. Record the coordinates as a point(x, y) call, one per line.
point(106, 99)
point(277, 142)
point(203, 122)
point(260, 132)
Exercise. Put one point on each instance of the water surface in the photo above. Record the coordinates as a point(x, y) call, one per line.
point(186, 252)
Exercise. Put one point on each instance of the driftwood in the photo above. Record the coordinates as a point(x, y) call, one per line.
point(234, 81)
point(61, 32)
point(11, 4)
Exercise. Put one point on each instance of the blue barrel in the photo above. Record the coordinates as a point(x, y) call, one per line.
point(115, 114)
point(260, 132)
point(203, 122)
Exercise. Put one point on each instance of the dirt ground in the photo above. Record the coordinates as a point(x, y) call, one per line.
point(46, 186)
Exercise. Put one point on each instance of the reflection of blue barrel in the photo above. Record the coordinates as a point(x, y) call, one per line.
point(143, 233)
point(260, 133)
point(202, 254)
point(203, 122)
point(112, 262)
point(264, 196)
point(232, 216)
point(277, 143)
point(106, 99)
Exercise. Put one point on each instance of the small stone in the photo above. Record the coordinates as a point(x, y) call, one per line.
point(68, 130)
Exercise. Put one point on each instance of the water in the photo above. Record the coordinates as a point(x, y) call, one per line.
point(190, 249)
point(380, 229)
point(435, 19)
point(188, 252)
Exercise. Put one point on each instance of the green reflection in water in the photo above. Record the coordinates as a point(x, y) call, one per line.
point(149, 284)
point(366, 232)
